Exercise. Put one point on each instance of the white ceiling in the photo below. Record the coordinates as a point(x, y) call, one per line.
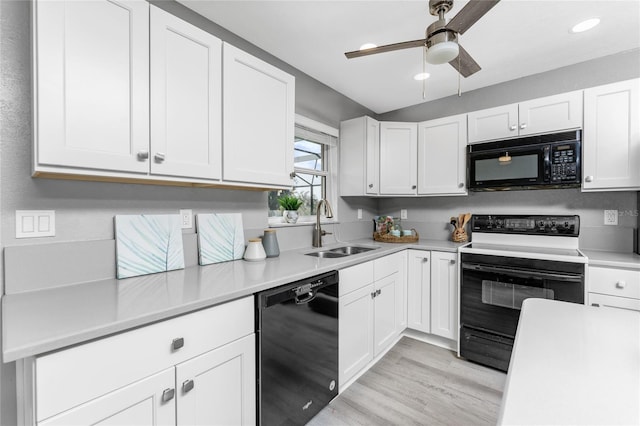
point(514, 39)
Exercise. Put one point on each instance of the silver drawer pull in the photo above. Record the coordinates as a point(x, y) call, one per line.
point(159, 157)
point(588, 179)
point(523, 125)
point(621, 284)
point(168, 394)
point(187, 386)
point(177, 343)
point(143, 155)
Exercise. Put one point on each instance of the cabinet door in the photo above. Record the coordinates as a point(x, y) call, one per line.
point(186, 98)
point(401, 292)
point(372, 159)
point(140, 403)
point(444, 295)
point(218, 387)
point(359, 156)
point(92, 84)
point(493, 123)
point(355, 332)
point(258, 120)
point(385, 313)
point(419, 289)
point(442, 157)
point(551, 113)
point(398, 152)
point(611, 140)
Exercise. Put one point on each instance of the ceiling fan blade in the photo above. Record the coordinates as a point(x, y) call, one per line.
point(467, 65)
point(385, 48)
point(469, 14)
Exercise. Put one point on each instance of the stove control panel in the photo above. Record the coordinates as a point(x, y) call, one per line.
point(525, 224)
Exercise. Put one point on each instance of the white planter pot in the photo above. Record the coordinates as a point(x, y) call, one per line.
point(290, 216)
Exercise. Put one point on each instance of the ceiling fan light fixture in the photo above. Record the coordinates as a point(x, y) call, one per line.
point(421, 76)
point(585, 25)
point(442, 52)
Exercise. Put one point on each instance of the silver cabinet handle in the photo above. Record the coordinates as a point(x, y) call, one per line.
point(187, 385)
point(453, 262)
point(370, 185)
point(513, 127)
point(621, 284)
point(523, 125)
point(413, 186)
point(373, 294)
point(168, 394)
point(143, 155)
point(425, 259)
point(588, 179)
point(597, 305)
point(292, 175)
point(177, 343)
point(159, 156)
point(461, 185)
point(378, 292)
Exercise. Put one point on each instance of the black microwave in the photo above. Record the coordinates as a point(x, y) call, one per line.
point(533, 162)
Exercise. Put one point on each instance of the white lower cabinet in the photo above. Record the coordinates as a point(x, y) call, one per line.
point(614, 287)
point(433, 293)
point(198, 368)
point(371, 311)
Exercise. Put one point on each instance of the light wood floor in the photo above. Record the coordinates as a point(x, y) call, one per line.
point(418, 384)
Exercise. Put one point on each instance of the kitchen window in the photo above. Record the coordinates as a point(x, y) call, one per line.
point(315, 160)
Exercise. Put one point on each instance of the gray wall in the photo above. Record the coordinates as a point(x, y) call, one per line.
point(85, 210)
point(431, 214)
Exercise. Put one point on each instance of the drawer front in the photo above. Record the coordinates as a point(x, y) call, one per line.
point(386, 266)
point(607, 301)
point(69, 377)
point(355, 277)
point(614, 282)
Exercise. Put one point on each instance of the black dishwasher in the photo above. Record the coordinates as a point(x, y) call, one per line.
point(297, 349)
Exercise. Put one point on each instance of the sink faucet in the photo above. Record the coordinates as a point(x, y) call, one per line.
point(318, 232)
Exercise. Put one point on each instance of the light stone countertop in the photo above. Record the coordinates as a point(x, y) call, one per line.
point(45, 320)
point(613, 259)
point(573, 365)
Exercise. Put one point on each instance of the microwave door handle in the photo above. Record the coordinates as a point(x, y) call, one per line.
point(522, 273)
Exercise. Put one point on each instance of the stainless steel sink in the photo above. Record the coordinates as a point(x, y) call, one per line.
point(349, 250)
point(340, 251)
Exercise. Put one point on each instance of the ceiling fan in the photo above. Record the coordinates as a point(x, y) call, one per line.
point(441, 39)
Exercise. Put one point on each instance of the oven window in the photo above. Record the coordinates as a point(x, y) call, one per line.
point(520, 167)
point(511, 295)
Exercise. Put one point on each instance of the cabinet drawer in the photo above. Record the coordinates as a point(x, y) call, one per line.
point(69, 377)
point(614, 282)
point(355, 277)
point(605, 300)
point(386, 266)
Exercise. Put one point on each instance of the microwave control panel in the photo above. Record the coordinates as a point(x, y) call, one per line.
point(565, 164)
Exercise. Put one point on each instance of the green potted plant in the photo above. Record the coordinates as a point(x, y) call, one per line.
point(290, 205)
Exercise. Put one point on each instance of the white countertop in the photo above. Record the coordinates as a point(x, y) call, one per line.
point(40, 321)
point(613, 259)
point(573, 365)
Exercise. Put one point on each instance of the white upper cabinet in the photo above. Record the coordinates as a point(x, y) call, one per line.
point(611, 139)
point(186, 98)
point(258, 120)
point(91, 84)
point(442, 160)
point(543, 115)
point(359, 156)
point(398, 153)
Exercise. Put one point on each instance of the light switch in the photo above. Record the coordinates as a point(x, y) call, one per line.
point(403, 213)
point(35, 223)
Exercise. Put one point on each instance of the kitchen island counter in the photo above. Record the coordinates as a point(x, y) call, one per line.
point(573, 364)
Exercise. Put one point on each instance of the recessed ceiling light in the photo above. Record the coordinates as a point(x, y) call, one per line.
point(585, 25)
point(368, 46)
point(421, 76)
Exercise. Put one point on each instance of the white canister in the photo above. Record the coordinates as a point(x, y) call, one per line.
point(255, 250)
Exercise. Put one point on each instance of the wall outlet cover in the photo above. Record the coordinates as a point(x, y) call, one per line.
point(148, 244)
point(220, 237)
point(611, 217)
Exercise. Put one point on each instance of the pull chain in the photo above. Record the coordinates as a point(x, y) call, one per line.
point(459, 76)
point(424, 72)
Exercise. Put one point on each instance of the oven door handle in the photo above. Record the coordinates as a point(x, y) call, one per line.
point(522, 273)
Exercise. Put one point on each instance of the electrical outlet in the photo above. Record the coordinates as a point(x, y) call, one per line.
point(186, 219)
point(359, 213)
point(611, 217)
point(35, 223)
point(403, 213)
